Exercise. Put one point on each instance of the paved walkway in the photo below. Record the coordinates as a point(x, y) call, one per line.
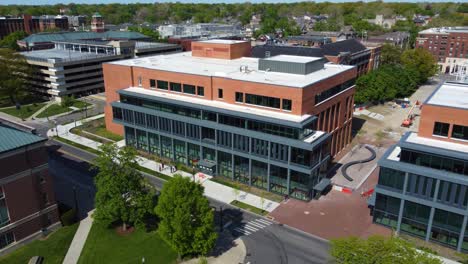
point(79, 240)
point(213, 190)
point(41, 110)
point(235, 253)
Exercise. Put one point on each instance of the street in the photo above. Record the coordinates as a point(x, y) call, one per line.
point(266, 241)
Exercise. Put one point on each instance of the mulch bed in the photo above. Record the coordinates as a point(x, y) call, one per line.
point(119, 230)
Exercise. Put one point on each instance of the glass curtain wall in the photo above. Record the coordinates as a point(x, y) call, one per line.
point(142, 140)
point(154, 144)
point(225, 164)
point(193, 153)
point(166, 144)
point(241, 169)
point(259, 174)
point(130, 139)
point(300, 185)
point(278, 179)
point(179, 147)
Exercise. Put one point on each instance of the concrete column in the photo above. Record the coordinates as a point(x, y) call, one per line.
point(268, 178)
point(232, 165)
point(250, 172)
point(186, 153)
point(462, 234)
point(436, 191)
point(288, 180)
point(160, 145)
point(429, 224)
point(402, 203)
point(173, 149)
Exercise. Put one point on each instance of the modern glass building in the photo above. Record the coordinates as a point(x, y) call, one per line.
point(423, 184)
point(252, 131)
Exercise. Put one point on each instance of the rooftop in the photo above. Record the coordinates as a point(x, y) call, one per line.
point(218, 104)
point(80, 35)
point(445, 30)
point(451, 95)
point(60, 55)
point(230, 69)
point(292, 58)
point(430, 142)
point(222, 41)
point(12, 139)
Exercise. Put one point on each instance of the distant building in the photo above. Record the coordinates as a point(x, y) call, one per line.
point(46, 40)
point(97, 23)
point(208, 30)
point(30, 24)
point(448, 46)
point(272, 123)
point(334, 36)
point(77, 22)
point(397, 38)
point(75, 67)
point(346, 52)
point(386, 23)
point(27, 201)
point(421, 20)
point(423, 183)
point(308, 41)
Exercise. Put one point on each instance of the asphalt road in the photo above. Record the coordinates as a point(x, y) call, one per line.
point(271, 244)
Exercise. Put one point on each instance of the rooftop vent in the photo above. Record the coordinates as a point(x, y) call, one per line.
point(291, 64)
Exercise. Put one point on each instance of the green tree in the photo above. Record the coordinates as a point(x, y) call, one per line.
point(377, 249)
point(154, 35)
point(187, 220)
point(122, 192)
point(10, 41)
point(420, 62)
point(390, 54)
point(68, 101)
point(14, 72)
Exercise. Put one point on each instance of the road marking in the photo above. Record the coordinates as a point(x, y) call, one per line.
point(242, 231)
point(256, 224)
point(263, 221)
point(250, 228)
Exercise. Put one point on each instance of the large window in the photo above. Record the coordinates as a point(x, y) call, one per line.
point(241, 169)
point(421, 186)
point(300, 185)
point(320, 97)
point(220, 93)
point(287, 104)
point(259, 174)
point(117, 113)
point(386, 210)
point(391, 178)
point(4, 218)
point(6, 239)
point(163, 85)
point(225, 164)
point(239, 97)
point(446, 227)
point(441, 129)
point(176, 87)
point(189, 89)
point(434, 161)
point(415, 218)
point(152, 83)
point(460, 132)
point(278, 179)
point(262, 100)
point(201, 91)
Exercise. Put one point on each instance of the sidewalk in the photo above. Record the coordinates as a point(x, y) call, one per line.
point(213, 190)
point(79, 240)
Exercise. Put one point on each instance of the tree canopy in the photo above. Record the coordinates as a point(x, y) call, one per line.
point(187, 220)
point(419, 62)
point(10, 40)
point(122, 193)
point(14, 72)
point(377, 249)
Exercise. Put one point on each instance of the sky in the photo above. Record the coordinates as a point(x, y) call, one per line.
point(51, 2)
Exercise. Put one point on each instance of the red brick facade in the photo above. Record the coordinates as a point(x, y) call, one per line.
point(444, 45)
point(28, 191)
point(431, 114)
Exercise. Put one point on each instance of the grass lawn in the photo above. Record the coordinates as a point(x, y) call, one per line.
point(104, 245)
point(57, 109)
point(24, 112)
point(53, 248)
point(85, 148)
point(249, 208)
point(96, 127)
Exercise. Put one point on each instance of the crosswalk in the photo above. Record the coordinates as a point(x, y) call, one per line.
point(252, 226)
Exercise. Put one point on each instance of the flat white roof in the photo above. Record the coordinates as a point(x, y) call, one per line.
point(291, 58)
point(414, 138)
point(245, 108)
point(444, 30)
point(222, 41)
point(184, 63)
point(450, 94)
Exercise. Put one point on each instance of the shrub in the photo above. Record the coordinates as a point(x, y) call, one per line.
point(69, 217)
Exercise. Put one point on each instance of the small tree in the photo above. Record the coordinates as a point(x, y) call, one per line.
point(236, 190)
point(262, 201)
point(14, 74)
point(122, 193)
point(68, 101)
point(377, 249)
point(187, 220)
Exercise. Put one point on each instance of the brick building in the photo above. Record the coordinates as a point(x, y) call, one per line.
point(423, 184)
point(30, 24)
point(272, 123)
point(449, 46)
point(27, 201)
